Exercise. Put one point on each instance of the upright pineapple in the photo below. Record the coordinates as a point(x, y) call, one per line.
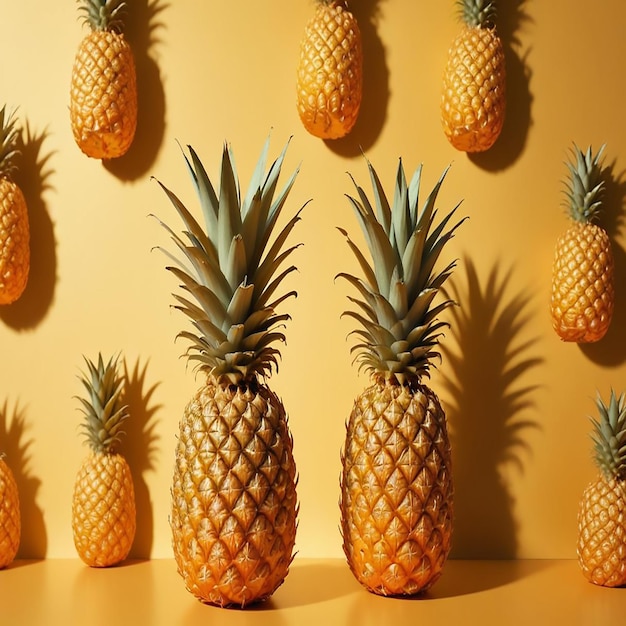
point(330, 71)
point(103, 94)
point(602, 511)
point(473, 99)
point(10, 525)
point(234, 503)
point(103, 507)
point(14, 226)
point(396, 484)
point(583, 297)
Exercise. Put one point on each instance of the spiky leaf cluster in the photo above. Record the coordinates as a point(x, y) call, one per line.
point(103, 14)
point(399, 320)
point(477, 13)
point(102, 407)
point(609, 436)
point(8, 142)
point(585, 185)
point(231, 270)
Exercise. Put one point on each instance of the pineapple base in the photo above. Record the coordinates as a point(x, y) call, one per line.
point(396, 489)
point(10, 525)
point(103, 510)
point(14, 242)
point(602, 532)
point(234, 504)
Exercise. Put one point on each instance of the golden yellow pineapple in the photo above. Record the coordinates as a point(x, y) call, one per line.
point(103, 94)
point(396, 484)
point(234, 504)
point(330, 71)
point(10, 524)
point(602, 511)
point(473, 99)
point(14, 225)
point(583, 291)
point(103, 506)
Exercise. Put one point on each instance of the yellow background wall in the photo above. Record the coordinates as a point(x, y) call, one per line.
point(517, 398)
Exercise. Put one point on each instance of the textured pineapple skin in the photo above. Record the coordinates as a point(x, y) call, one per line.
point(14, 242)
point(330, 72)
point(234, 503)
point(602, 532)
point(396, 489)
point(10, 525)
point(583, 292)
point(473, 101)
point(103, 510)
point(103, 96)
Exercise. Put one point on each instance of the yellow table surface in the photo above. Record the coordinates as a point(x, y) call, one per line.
point(60, 591)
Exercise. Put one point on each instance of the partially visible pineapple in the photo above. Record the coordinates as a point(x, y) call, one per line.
point(602, 511)
point(330, 71)
point(14, 225)
point(103, 94)
point(396, 484)
point(583, 290)
point(10, 524)
point(234, 504)
point(103, 507)
point(473, 99)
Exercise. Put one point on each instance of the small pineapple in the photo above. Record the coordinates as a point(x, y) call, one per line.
point(103, 507)
point(583, 291)
point(14, 226)
point(234, 504)
point(330, 71)
point(473, 99)
point(602, 511)
point(10, 526)
point(396, 484)
point(103, 94)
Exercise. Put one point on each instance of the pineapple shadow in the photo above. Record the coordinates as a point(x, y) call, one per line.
point(609, 351)
point(32, 178)
point(142, 23)
point(13, 427)
point(488, 402)
point(139, 447)
point(375, 98)
point(518, 117)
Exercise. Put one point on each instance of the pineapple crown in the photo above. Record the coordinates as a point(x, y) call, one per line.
point(609, 436)
point(102, 407)
point(103, 14)
point(8, 142)
point(477, 13)
point(584, 186)
point(231, 270)
point(399, 326)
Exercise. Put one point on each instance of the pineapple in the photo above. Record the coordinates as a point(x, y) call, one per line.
point(234, 503)
point(583, 292)
point(10, 527)
point(473, 99)
point(14, 226)
point(330, 71)
point(103, 507)
point(103, 94)
point(602, 511)
point(396, 483)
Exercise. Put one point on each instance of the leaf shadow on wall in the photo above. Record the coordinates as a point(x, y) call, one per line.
point(488, 406)
point(141, 27)
point(140, 449)
point(610, 350)
point(518, 117)
point(32, 178)
point(13, 427)
point(375, 97)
